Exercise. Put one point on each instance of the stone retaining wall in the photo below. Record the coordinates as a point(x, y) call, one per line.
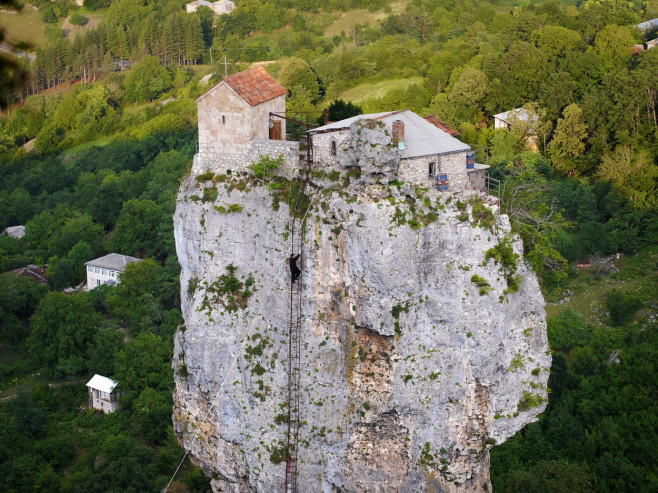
point(221, 163)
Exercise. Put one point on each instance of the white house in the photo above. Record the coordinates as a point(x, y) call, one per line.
point(106, 270)
point(102, 395)
point(219, 8)
point(506, 120)
point(15, 231)
point(646, 25)
point(429, 155)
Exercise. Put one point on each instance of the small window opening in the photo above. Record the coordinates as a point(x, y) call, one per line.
point(430, 169)
point(223, 118)
point(333, 147)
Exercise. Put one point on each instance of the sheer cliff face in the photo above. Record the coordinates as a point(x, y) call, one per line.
point(418, 354)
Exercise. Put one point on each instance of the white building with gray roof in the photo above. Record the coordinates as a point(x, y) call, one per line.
point(106, 270)
point(15, 231)
point(429, 156)
point(102, 395)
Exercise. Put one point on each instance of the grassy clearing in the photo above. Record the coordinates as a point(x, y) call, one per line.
point(70, 154)
point(71, 30)
point(351, 18)
point(25, 25)
point(586, 291)
point(345, 20)
point(369, 90)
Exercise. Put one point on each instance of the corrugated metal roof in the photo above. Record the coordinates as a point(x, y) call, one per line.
point(104, 384)
point(113, 261)
point(15, 231)
point(421, 138)
point(520, 114)
point(343, 124)
point(646, 25)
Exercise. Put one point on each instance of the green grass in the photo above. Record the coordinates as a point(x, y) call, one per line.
point(94, 19)
point(369, 90)
point(345, 20)
point(25, 25)
point(637, 274)
point(70, 154)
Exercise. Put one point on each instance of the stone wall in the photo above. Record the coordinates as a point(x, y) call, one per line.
point(289, 151)
point(221, 163)
point(227, 122)
point(322, 148)
point(416, 170)
point(476, 179)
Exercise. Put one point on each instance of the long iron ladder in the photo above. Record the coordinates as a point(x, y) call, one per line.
point(294, 360)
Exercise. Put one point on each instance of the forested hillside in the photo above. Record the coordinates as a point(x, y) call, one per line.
point(99, 136)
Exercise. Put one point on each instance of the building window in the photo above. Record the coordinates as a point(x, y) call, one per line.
point(333, 147)
point(97, 270)
point(104, 272)
point(90, 269)
point(111, 273)
point(430, 169)
point(224, 119)
point(98, 282)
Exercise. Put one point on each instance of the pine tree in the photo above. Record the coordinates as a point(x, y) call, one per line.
point(193, 39)
point(569, 140)
point(121, 49)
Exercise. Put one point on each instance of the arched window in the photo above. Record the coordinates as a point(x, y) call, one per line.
point(333, 147)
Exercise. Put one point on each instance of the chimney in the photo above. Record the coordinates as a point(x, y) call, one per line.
point(398, 131)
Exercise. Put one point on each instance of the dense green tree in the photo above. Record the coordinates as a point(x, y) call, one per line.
point(107, 341)
point(295, 72)
point(144, 362)
point(568, 142)
point(135, 299)
point(633, 172)
point(19, 297)
point(48, 139)
point(470, 88)
point(136, 227)
point(147, 80)
point(614, 44)
point(62, 329)
point(68, 112)
point(555, 93)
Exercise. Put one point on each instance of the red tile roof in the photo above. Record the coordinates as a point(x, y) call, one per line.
point(255, 85)
point(442, 126)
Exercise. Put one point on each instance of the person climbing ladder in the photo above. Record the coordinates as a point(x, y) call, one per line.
point(294, 270)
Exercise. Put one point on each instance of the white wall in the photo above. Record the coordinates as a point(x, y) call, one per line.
point(97, 276)
point(102, 401)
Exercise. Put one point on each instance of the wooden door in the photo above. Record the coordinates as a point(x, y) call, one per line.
point(275, 130)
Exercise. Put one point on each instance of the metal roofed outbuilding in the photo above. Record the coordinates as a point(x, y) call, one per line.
point(104, 384)
point(646, 25)
point(102, 395)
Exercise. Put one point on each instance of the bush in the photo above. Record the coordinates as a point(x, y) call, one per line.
point(78, 19)
point(568, 330)
point(265, 166)
point(621, 306)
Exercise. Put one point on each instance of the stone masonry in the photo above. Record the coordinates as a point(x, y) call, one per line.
point(233, 134)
